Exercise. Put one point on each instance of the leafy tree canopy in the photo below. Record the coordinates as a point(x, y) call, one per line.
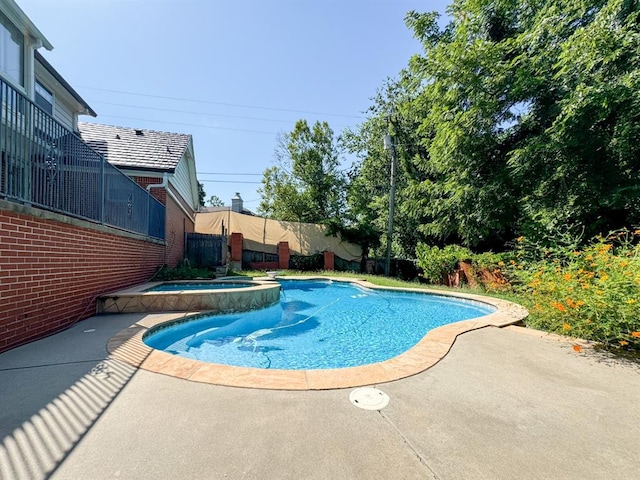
point(306, 184)
point(201, 194)
point(534, 109)
point(369, 179)
point(519, 117)
point(215, 201)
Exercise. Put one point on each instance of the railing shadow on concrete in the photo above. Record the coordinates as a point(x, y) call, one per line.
point(37, 448)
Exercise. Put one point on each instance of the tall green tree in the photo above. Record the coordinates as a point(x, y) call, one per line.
point(466, 195)
point(215, 201)
point(518, 117)
point(529, 114)
point(579, 162)
point(305, 184)
point(201, 194)
point(369, 179)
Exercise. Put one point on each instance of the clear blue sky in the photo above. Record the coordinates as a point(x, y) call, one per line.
point(233, 73)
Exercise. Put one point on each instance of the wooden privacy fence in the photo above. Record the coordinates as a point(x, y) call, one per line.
point(206, 251)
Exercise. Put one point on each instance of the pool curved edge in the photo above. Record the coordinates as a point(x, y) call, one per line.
point(127, 346)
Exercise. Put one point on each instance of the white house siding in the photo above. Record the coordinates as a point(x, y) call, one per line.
point(62, 110)
point(182, 180)
point(63, 114)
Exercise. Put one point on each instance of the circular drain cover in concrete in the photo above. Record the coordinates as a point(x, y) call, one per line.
point(369, 398)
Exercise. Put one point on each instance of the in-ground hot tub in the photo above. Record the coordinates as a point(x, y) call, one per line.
point(222, 296)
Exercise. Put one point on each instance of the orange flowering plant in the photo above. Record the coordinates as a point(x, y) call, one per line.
point(591, 292)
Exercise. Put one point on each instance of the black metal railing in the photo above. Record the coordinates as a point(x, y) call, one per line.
point(46, 165)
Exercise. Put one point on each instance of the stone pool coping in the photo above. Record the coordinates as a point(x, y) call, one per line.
point(127, 345)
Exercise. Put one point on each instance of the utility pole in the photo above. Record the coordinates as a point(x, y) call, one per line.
point(388, 145)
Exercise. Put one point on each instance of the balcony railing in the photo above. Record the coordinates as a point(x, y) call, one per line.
point(46, 165)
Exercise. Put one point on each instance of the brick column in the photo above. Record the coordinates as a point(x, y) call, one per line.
point(329, 260)
point(283, 255)
point(236, 247)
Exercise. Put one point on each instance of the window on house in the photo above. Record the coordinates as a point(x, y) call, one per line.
point(11, 48)
point(44, 98)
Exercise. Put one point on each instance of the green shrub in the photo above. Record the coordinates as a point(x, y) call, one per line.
point(437, 262)
point(490, 260)
point(307, 263)
point(182, 272)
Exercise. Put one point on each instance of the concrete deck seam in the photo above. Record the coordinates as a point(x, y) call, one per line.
point(408, 443)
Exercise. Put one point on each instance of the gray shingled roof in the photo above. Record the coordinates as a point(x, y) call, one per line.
point(135, 148)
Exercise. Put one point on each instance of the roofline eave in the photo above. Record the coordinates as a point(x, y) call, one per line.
point(17, 15)
point(49, 68)
point(132, 168)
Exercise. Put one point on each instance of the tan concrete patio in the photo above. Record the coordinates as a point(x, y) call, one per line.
point(503, 403)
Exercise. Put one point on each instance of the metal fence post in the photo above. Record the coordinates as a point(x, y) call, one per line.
point(102, 189)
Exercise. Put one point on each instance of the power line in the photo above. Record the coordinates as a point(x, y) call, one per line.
point(221, 103)
point(234, 174)
point(189, 124)
point(229, 181)
point(199, 113)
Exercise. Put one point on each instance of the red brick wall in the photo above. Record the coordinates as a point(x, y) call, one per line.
point(329, 260)
point(159, 194)
point(178, 224)
point(236, 247)
point(51, 271)
point(283, 255)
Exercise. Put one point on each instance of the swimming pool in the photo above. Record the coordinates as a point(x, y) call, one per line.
point(318, 324)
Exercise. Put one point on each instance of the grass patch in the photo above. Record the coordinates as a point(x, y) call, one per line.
point(374, 279)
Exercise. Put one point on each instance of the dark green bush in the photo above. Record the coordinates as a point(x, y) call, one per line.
point(307, 263)
point(436, 263)
point(182, 272)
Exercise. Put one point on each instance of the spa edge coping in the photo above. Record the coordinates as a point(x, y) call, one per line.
point(139, 298)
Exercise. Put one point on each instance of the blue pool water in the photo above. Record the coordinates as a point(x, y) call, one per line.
point(176, 287)
point(316, 325)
